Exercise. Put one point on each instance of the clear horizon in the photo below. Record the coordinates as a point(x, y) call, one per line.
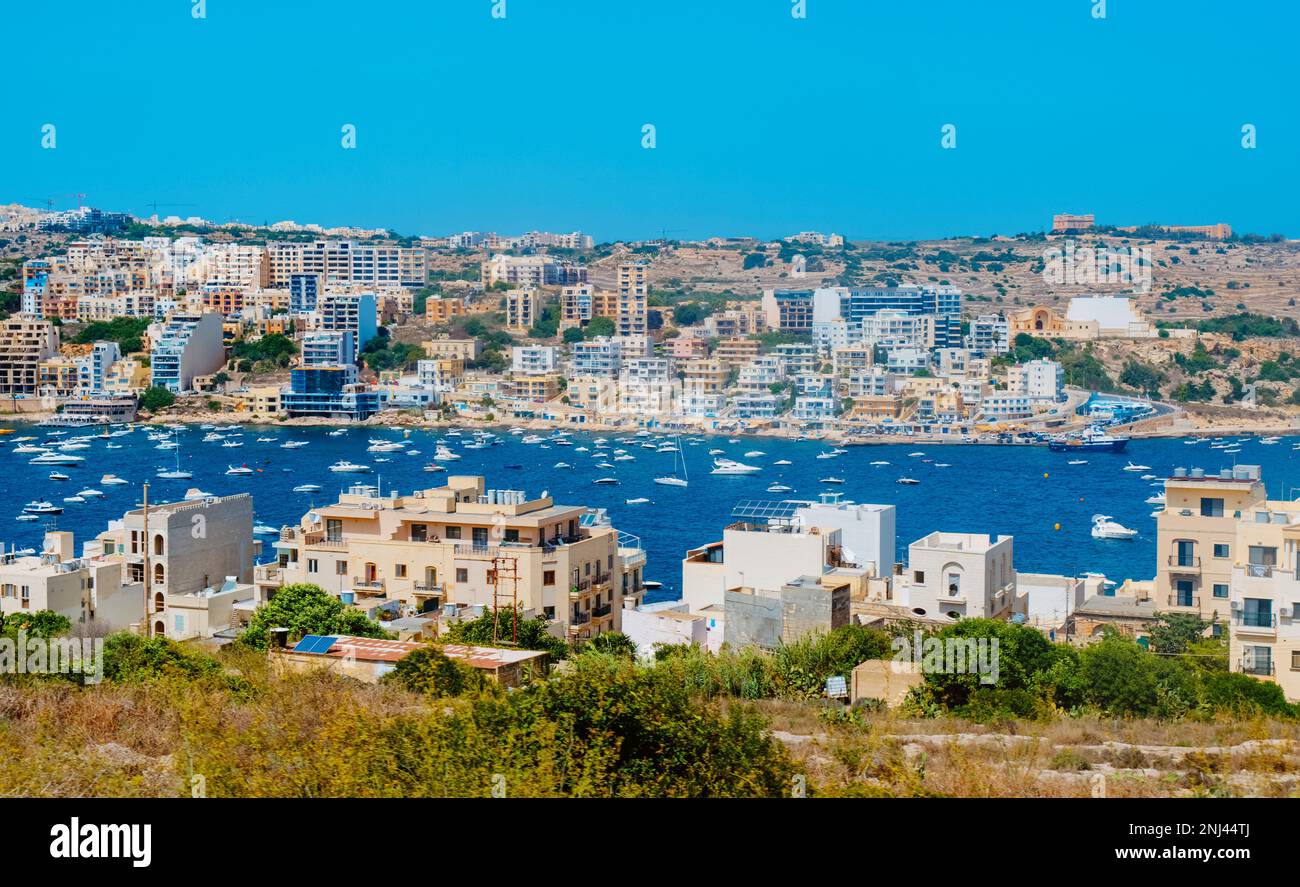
point(765, 124)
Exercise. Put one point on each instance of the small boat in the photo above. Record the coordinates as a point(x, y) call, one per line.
point(907, 481)
point(1148, 477)
point(27, 517)
point(175, 474)
point(39, 507)
point(1077, 462)
point(561, 465)
point(90, 493)
point(54, 475)
point(233, 443)
point(828, 454)
point(266, 440)
point(917, 453)
point(307, 488)
point(1157, 499)
point(194, 493)
point(1103, 527)
point(112, 446)
point(640, 500)
point(111, 479)
point(434, 468)
point(57, 459)
point(338, 432)
point(77, 499)
point(729, 466)
point(264, 530)
point(343, 466)
point(780, 488)
point(1131, 467)
point(782, 462)
point(880, 462)
point(605, 480)
point(626, 457)
point(293, 444)
point(754, 454)
point(442, 454)
point(831, 480)
point(716, 452)
point(238, 470)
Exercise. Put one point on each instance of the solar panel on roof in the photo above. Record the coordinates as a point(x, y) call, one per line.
point(314, 643)
point(765, 509)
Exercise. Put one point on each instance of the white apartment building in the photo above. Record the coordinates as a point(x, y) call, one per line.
point(534, 360)
point(633, 299)
point(1042, 380)
point(602, 356)
point(960, 575)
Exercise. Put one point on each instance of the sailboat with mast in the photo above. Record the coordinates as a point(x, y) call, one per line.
point(176, 473)
point(672, 480)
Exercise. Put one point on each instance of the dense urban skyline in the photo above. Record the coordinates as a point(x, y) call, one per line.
point(835, 122)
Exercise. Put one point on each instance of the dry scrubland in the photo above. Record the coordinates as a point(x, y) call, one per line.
point(320, 736)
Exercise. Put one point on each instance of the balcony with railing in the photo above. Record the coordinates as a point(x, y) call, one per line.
point(1259, 668)
point(1259, 571)
point(368, 586)
point(328, 541)
point(1249, 622)
point(1185, 600)
point(1184, 563)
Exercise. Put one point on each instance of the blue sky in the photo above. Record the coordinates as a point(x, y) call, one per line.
point(765, 124)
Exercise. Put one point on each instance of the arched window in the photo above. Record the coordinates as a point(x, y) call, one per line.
point(159, 602)
point(159, 574)
point(159, 630)
point(158, 544)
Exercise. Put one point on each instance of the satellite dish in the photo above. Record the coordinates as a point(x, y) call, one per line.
point(544, 492)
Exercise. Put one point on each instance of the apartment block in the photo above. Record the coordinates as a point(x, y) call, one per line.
point(468, 545)
point(633, 299)
point(187, 345)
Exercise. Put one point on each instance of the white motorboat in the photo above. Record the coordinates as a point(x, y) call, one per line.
point(239, 470)
point(385, 446)
point(561, 465)
point(640, 500)
point(230, 444)
point(605, 480)
point(338, 432)
point(754, 454)
point(29, 448)
point(880, 462)
point(443, 454)
point(27, 517)
point(345, 467)
point(40, 507)
point(1077, 462)
point(716, 452)
point(111, 479)
point(90, 493)
point(266, 440)
point(1131, 467)
point(907, 481)
point(782, 462)
point(831, 480)
point(828, 454)
point(174, 474)
point(307, 488)
point(626, 457)
point(729, 466)
point(54, 475)
point(194, 493)
point(57, 459)
point(1157, 499)
point(780, 488)
point(293, 444)
point(1104, 527)
point(264, 530)
point(76, 499)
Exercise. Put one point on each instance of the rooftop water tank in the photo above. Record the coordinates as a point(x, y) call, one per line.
point(1180, 472)
point(1198, 472)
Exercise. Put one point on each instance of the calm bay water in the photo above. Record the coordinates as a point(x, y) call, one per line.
point(1017, 490)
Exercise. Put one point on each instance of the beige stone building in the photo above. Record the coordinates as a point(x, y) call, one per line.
point(463, 544)
point(24, 343)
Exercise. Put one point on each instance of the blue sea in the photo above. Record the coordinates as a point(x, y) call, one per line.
point(1027, 492)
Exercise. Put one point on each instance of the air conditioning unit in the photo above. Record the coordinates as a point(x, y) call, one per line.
point(1236, 605)
point(1284, 612)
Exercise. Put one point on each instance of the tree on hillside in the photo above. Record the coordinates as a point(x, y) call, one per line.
point(307, 609)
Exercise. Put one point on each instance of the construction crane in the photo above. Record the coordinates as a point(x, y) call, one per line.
point(664, 232)
point(79, 197)
point(155, 204)
point(48, 201)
